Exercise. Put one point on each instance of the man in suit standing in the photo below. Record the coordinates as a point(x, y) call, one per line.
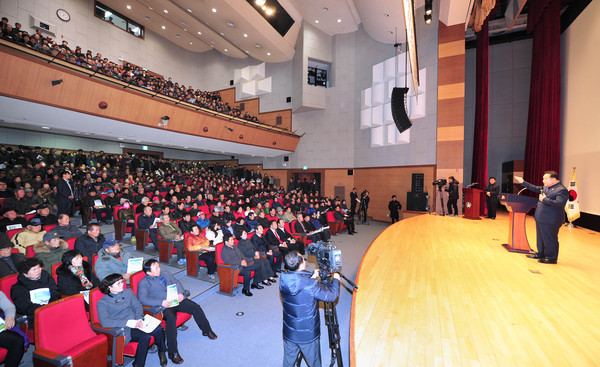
point(353, 201)
point(549, 215)
point(64, 194)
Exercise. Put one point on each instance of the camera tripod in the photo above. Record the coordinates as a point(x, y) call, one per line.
point(441, 194)
point(333, 328)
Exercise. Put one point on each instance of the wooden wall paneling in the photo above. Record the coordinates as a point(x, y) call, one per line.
point(337, 177)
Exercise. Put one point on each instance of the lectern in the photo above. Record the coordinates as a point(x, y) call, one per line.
point(472, 202)
point(517, 206)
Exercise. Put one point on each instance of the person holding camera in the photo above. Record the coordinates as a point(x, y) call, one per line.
point(301, 292)
point(452, 196)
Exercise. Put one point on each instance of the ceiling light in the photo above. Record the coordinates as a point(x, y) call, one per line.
point(222, 34)
point(191, 43)
point(163, 27)
point(264, 8)
point(183, 23)
point(260, 2)
point(129, 7)
point(166, 11)
point(247, 52)
point(268, 54)
point(427, 18)
point(317, 21)
point(231, 24)
point(199, 32)
point(150, 8)
point(428, 11)
point(214, 10)
point(225, 50)
point(387, 15)
point(177, 35)
point(258, 45)
point(339, 20)
point(189, 10)
point(213, 42)
point(269, 11)
point(138, 141)
point(245, 35)
point(325, 8)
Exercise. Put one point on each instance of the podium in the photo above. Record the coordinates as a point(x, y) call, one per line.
point(472, 203)
point(517, 206)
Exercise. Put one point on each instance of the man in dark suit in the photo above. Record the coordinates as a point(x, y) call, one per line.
point(353, 201)
point(64, 194)
point(549, 215)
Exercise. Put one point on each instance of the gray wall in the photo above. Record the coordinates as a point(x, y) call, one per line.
point(510, 72)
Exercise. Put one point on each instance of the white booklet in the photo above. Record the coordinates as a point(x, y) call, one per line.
point(86, 296)
point(172, 295)
point(134, 265)
point(98, 203)
point(40, 296)
point(150, 323)
point(2, 324)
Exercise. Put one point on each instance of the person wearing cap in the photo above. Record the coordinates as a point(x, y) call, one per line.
point(65, 228)
point(34, 200)
point(19, 202)
point(111, 200)
point(9, 261)
point(112, 259)
point(43, 214)
point(32, 235)
point(51, 249)
point(31, 277)
point(11, 221)
point(91, 241)
point(202, 222)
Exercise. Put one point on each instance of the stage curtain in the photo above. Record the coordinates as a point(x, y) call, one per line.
point(480, 131)
point(542, 147)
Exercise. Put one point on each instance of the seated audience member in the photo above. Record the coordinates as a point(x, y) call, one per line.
point(232, 255)
point(31, 277)
point(51, 249)
point(146, 221)
point(75, 275)
point(263, 220)
point(239, 226)
point(202, 222)
point(19, 202)
point(9, 261)
point(196, 241)
point(251, 222)
point(11, 221)
point(216, 217)
point(306, 228)
point(314, 221)
point(252, 254)
point(112, 259)
point(126, 212)
point(11, 340)
point(341, 217)
point(258, 240)
point(4, 193)
point(32, 235)
point(275, 243)
point(43, 214)
point(228, 227)
point(34, 200)
point(111, 200)
point(144, 203)
point(90, 242)
point(65, 228)
point(214, 233)
point(94, 201)
point(286, 236)
point(288, 216)
point(120, 305)
point(152, 291)
point(171, 232)
point(227, 214)
point(186, 223)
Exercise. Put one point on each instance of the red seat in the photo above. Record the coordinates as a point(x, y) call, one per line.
point(192, 259)
point(121, 226)
point(71, 242)
point(12, 232)
point(229, 275)
point(29, 251)
point(166, 248)
point(78, 341)
point(142, 236)
point(334, 225)
point(117, 348)
point(29, 216)
point(49, 227)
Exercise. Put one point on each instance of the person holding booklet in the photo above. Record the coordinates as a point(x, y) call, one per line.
point(120, 308)
point(111, 259)
point(160, 288)
point(33, 289)
point(75, 275)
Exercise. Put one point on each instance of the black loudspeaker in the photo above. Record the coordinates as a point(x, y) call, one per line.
point(286, 158)
point(416, 201)
point(417, 182)
point(288, 99)
point(399, 109)
point(350, 172)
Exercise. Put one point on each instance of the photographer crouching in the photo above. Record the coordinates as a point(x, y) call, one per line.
point(301, 292)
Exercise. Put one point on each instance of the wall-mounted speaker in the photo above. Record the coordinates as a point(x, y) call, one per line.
point(286, 158)
point(288, 99)
point(231, 82)
point(350, 172)
point(399, 111)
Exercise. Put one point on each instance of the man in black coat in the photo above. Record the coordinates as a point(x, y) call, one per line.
point(549, 215)
point(353, 201)
point(91, 242)
point(9, 261)
point(394, 207)
point(65, 193)
point(491, 197)
point(452, 196)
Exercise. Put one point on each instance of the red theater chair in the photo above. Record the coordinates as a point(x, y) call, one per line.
point(229, 275)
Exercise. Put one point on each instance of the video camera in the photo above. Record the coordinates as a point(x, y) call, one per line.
point(328, 257)
point(441, 182)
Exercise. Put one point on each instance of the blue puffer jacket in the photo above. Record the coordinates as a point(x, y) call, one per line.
point(300, 295)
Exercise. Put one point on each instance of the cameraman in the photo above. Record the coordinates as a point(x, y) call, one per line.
point(452, 196)
point(301, 293)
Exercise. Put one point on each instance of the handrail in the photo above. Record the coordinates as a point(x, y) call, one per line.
point(148, 92)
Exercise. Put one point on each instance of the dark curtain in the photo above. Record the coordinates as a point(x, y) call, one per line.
point(542, 147)
point(480, 133)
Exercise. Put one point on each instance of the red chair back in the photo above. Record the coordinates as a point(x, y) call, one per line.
point(29, 251)
point(12, 232)
point(136, 219)
point(50, 330)
point(71, 242)
point(49, 227)
point(330, 217)
point(218, 249)
point(29, 216)
point(134, 280)
point(287, 227)
point(95, 296)
point(54, 267)
point(6, 283)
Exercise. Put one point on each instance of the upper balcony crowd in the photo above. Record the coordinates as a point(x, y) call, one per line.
point(127, 73)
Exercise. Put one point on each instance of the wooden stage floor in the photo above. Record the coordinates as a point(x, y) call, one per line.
point(442, 291)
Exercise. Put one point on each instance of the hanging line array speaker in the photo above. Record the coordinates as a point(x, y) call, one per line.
point(399, 111)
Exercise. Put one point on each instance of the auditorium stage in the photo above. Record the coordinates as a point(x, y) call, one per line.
point(442, 291)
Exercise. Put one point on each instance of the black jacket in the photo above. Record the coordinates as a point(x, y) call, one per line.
point(5, 269)
point(88, 246)
point(69, 283)
point(20, 292)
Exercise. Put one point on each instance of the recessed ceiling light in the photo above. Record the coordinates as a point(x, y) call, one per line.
point(166, 11)
point(260, 2)
point(213, 42)
point(269, 11)
point(185, 147)
point(258, 45)
point(225, 50)
point(246, 35)
point(163, 27)
point(191, 43)
point(317, 21)
point(247, 52)
point(339, 20)
point(189, 10)
point(264, 8)
point(387, 15)
point(183, 23)
point(199, 32)
point(268, 54)
point(214, 10)
point(150, 8)
point(222, 34)
point(185, 30)
point(325, 8)
point(147, 17)
point(129, 7)
point(178, 35)
point(46, 127)
point(138, 141)
point(231, 24)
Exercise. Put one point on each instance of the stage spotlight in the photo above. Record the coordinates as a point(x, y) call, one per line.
point(56, 82)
